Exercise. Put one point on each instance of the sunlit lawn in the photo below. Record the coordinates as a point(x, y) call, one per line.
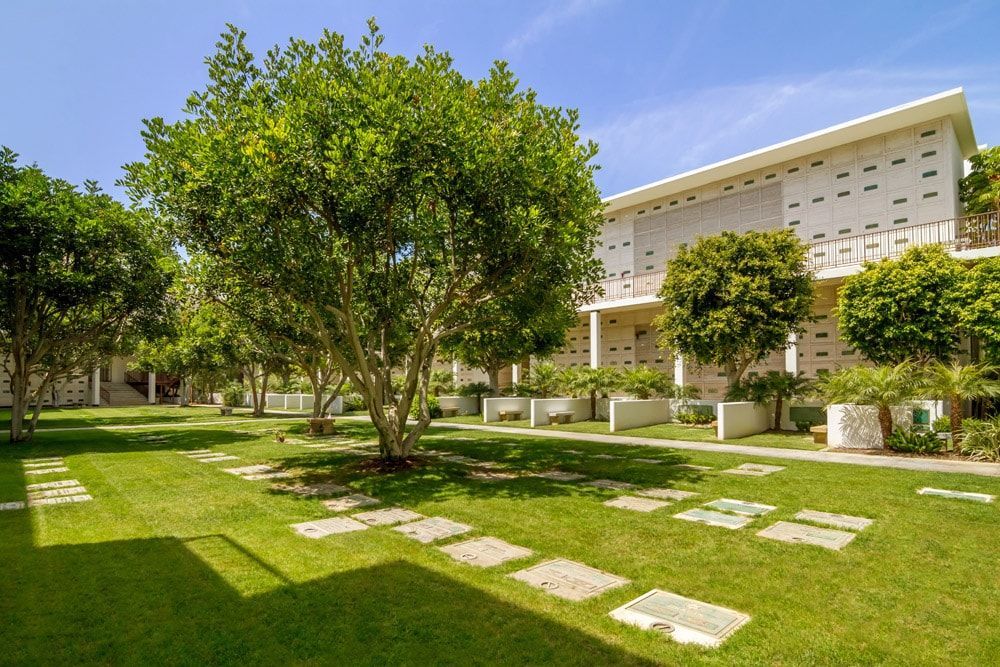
point(124, 416)
point(175, 561)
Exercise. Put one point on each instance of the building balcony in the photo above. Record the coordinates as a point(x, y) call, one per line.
point(966, 237)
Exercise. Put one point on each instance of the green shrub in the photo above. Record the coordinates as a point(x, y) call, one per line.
point(982, 439)
point(233, 395)
point(914, 442)
point(477, 389)
point(942, 424)
point(803, 425)
point(433, 406)
point(353, 402)
point(691, 417)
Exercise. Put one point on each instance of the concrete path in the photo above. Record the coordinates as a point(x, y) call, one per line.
point(872, 460)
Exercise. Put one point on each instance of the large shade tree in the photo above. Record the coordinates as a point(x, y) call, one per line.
point(389, 198)
point(81, 277)
point(731, 300)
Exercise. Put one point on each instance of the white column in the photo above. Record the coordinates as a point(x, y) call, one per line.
point(151, 393)
point(792, 355)
point(515, 373)
point(679, 371)
point(454, 371)
point(96, 382)
point(595, 338)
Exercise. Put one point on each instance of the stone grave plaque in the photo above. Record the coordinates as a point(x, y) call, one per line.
point(606, 456)
point(958, 495)
point(743, 507)
point(318, 489)
point(387, 517)
point(571, 451)
point(317, 445)
point(636, 504)
point(60, 500)
point(560, 475)
point(53, 485)
point(650, 461)
point(192, 452)
point(491, 475)
point(759, 468)
point(799, 533)
point(835, 520)
point(324, 527)
point(435, 528)
point(54, 493)
point(485, 464)
point(13, 505)
point(206, 455)
point(711, 518)
point(683, 619)
point(666, 494)
point(217, 459)
point(568, 579)
point(611, 484)
point(49, 459)
point(353, 501)
point(47, 464)
point(45, 471)
point(248, 470)
point(459, 459)
point(485, 552)
point(688, 466)
point(274, 474)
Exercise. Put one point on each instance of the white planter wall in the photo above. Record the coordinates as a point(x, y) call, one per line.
point(541, 407)
point(635, 413)
point(467, 405)
point(857, 427)
point(740, 419)
point(493, 406)
point(295, 402)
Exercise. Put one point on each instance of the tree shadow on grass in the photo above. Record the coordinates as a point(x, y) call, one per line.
point(155, 601)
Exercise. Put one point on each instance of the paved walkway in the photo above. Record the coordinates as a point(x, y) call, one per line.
point(872, 460)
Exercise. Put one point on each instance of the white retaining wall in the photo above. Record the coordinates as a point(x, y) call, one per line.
point(541, 407)
point(628, 414)
point(493, 406)
point(296, 402)
point(467, 405)
point(743, 418)
point(856, 426)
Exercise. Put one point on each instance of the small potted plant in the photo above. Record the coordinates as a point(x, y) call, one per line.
point(232, 396)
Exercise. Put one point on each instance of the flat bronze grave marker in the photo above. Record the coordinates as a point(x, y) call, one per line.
point(217, 459)
point(636, 504)
point(12, 505)
point(666, 494)
point(799, 533)
point(571, 451)
point(606, 456)
point(685, 620)
point(387, 517)
point(60, 500)
point(274, 474)
point(192, 452)
point(611, 484)
point(560, 475)
point(957, 495)
point(324, 527)
point(688, 466)
point(248, 470)
point(45, 471)
point(46, 464)
point(711, 518)
point(835, 520)
point(53, 485)
point(753, 470)
point(743, 507)
point(650, 461)
point(48, 459)
point(485, 551)
point(318, 489)
point(351, 502)
point(455, 458)
point(568, 579)
point(54, 493)
point(491, 475)
point(435, 528)
point(204, 455)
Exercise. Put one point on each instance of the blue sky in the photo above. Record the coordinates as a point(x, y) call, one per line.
point(662, 86)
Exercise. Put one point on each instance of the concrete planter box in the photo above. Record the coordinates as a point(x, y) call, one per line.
point(464, 405)
point(492, 407)
point(541, 407)
point(634, 413)
point(743, 418)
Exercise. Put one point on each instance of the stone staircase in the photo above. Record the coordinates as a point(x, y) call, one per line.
point(119, 393)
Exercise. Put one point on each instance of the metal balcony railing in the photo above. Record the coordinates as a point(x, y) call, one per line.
point(955, 234)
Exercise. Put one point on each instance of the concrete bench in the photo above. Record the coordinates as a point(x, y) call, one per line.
point(510, 415)
point(561, 417)
point(819, 434)
point(449, 412)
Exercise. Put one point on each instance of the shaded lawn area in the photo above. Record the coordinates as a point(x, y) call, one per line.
point(175, 561)
point(125, 416)
point(782, 439)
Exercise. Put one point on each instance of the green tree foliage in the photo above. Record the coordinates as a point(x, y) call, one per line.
point(773, 387)
point(957, 383)
point(644, 383)
point(980, 315)
point(389, 198)
point(81, 278)
point(906, 308)
point(591, 382)
point(980, 190)
point(884, 387)
point(544, 378)
point(442, 382)
point(733, 299)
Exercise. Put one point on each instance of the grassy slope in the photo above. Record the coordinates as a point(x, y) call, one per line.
point(175, 561)
point(783, 439)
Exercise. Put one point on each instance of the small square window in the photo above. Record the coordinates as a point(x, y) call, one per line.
point(657, 208)
point(793, 170)
point(845, 193)
point(626, 244)
point(897, 202)
point(817, 200)
point(793, 205)
point(640, 212)
point(928, 154)
point(673, 203)
point(871, 167)
point(843, 174)
point(727, 188)
point(819, 236)
point(750, 182)
point(770, 176)
point(928, 195)
point(649, 267)
point(928, 174)
point(873, 225)
point(928, 133)
point(898, 161)
point(846, 230)
point(691, 198)
point(649, 253)
point(793, 223)
point(873, 186)
point(900, 221)
point(817, 163)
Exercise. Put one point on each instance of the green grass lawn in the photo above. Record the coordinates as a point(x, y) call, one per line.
point(782, 439)
point(175, 561)
point(125, 416)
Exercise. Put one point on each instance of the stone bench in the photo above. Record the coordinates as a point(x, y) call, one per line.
point(510, 415)
point(819, 434)
point(561, 417)
point(449, 412)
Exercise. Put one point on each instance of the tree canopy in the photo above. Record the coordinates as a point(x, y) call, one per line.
point(391, 199)
point(731, 300)
point(980, 190)
point(906, 308)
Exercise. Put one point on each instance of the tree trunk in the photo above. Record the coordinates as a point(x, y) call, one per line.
point(593, 405)
point(494, 377)
point(19, 408)
point(183, 391)
point(318, 407)
point(258, 410)
point(885, 424)
point(778, 399)
point(956, 423)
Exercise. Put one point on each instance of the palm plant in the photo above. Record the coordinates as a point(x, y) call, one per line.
point(883, 387)
point(644, 382)
point(775, 387)
point(442, 381)
point(586, 381)
point(959, 383)
point(544, 378)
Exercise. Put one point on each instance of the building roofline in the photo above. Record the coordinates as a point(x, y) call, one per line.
point(950, 103)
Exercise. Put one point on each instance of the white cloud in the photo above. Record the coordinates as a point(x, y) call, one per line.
point(552, 17)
